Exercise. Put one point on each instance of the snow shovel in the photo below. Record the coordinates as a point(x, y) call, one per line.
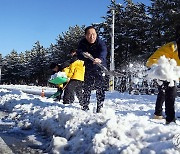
point(103, 68)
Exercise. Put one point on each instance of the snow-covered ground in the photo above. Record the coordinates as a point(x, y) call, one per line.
point(125, 124)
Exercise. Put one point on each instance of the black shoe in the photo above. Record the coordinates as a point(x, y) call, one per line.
point(56, 99)
point(85, 108)
point(66, 103)
point(168, 122)
point(98, 110)
point(99, 107)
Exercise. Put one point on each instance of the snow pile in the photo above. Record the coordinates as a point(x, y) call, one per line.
point(124, 125)
point(58, 74)
point(165, 70)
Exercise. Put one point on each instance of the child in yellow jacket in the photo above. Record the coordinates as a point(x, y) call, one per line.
point(76, 79)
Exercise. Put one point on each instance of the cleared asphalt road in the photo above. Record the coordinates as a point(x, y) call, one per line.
point(4, 147)
point(15, 142)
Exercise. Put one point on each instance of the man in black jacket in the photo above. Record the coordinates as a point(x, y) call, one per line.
point(94, 79)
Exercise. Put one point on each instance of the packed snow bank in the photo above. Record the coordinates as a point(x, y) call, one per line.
point(124, 125)
point(36, 90)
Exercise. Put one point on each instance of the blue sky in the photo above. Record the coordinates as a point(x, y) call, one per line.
point(23, 22)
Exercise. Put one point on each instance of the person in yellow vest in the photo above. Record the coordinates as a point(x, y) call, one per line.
point(76, 79)
point(166, 93)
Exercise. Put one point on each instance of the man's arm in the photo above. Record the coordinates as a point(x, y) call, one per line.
point(103, 51)
point(80, 50)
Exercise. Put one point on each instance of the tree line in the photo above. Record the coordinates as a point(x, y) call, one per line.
point(139, 31)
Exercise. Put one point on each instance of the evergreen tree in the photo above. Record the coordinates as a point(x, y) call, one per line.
point(10, 68)
point(131, 31)
point(21, 68)
point(65, 42)
point(164, 18)
point(135, 32)
point(70, 38)
point(139, 30)
point(38, 65)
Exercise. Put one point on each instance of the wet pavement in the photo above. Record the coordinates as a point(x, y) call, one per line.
point(18, 141)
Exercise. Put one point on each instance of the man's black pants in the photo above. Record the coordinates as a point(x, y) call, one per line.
point(97, 83)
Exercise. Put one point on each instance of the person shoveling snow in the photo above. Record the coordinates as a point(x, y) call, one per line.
point(163, 64)
point(58, 78)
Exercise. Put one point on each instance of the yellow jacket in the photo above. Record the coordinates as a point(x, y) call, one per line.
point(77, 70)
point(66, 70)
point(169, 50)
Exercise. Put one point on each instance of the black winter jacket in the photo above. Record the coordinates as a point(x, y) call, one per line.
point(97, 50)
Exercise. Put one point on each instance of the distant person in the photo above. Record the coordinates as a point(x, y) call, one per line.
point(166, 93)
point(62, 68)
point(93, 75)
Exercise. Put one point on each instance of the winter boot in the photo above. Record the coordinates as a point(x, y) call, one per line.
point(168, 122)
point(85, 108)
point(99, 107)
point(158, 117)
point(98, 110)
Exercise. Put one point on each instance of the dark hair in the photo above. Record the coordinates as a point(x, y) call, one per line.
point(53, 65)
point(178, 41)
point(177, 31)
point(72, 51)
point(178, 46)
point(89, 27)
